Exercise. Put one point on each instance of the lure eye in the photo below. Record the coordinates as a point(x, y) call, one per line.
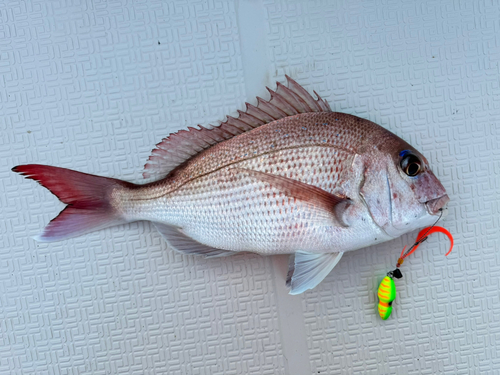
point(411, 165)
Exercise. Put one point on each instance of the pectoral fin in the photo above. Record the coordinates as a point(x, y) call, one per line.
point(319, 200)
point(186, 245)
point(306, 270)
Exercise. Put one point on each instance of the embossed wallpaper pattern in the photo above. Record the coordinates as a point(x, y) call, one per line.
point(94, 85)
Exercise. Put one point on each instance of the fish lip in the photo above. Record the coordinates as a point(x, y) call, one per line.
point(436, 204)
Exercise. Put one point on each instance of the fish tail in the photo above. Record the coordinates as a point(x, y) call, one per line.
point(88, 198)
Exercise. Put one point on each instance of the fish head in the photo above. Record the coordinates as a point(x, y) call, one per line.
point(400, 189)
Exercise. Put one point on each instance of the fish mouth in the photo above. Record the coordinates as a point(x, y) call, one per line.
point(434, 205)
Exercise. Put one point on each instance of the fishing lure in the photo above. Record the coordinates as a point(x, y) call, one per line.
point(387, 288)
point(386, 294)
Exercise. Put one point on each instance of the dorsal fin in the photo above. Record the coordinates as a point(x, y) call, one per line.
point(181, 146)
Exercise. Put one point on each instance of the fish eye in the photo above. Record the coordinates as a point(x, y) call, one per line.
point(411, 165)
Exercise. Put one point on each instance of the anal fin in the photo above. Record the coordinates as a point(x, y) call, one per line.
point(186, 245)
point(307, 270)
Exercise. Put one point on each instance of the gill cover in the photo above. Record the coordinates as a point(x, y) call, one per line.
point(399, 189)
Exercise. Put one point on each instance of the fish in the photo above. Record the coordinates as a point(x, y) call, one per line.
point(286, 176)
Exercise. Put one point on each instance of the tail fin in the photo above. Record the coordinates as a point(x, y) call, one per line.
point(88, 200)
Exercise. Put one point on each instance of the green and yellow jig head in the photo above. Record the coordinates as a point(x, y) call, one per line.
point(387, 288)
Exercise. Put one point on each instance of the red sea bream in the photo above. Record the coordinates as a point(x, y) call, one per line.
point(287, 176)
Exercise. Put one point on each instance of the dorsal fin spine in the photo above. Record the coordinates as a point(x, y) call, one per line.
point(257, 111)
point(282, 102)
point(322, 103)
point(277, 113)
point(303, 93)
point(231, 129)
point(236, 122)
point(325, 107)
point(249, 118)
point(294, 96)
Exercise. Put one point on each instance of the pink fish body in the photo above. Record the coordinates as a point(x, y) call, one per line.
point(288, 176)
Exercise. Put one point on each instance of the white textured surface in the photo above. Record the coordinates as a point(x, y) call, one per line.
point(94, 85)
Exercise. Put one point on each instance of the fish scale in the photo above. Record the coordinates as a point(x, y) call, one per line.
point(206, 199)
point(246, 216)
point(287, 176)
point(291, 132)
